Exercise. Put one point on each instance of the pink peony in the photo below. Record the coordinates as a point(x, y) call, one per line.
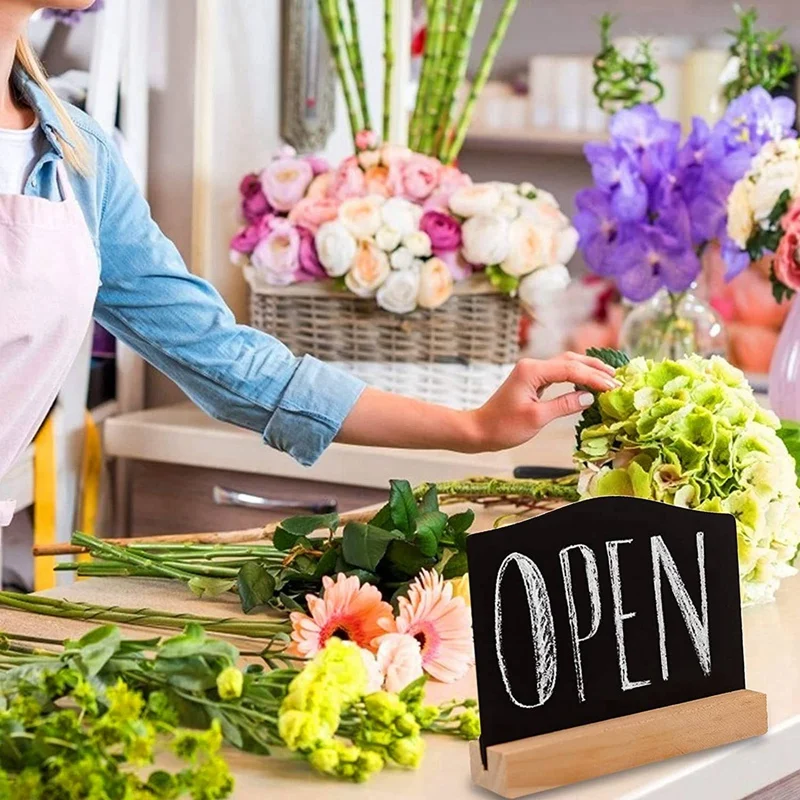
point(312, 212)
point(443, 230)
point(787, 258)
point(459, 267)
point(400, 660)
point(319, 164)
point(366, 140)
point(246, 240)
point(791, 218)
point(254, 202)
point(348, 180)
point(276, 257)
point(309, 266)
point(451, 179)
point(420, 176)
point(285, 182)
point(321, 186)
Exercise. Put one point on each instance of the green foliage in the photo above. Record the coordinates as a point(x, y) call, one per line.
point(501, 280)
point(256, 586)
point(763, 59)
point(624, 82)
point(789, 433)
point(614, 358)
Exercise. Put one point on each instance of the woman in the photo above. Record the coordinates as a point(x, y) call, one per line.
point(77, 240)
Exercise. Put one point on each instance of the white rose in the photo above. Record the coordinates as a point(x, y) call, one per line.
point(370, 269)
point(480, 198)
point(740, 215)
point(387, 238)
point(504, 186)
point(237, 259)
point(399, 214)
point(399, 293)
point(507, 210)
point(485, 239)
point(419, 243)
point(565, 243)
point(417, 264)
point(402, 258)
point(775, 177)
point(530, 245)
point(526, 188)
point(512, 198)
point(544, 213)
point(361, 216)
point(336, 248)
point(435, 284)
point(539, 287)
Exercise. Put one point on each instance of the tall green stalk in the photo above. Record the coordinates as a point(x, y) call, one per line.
point(485, 69)
point(426, 76)
point(467, 25)
point(352, 42)
point(437, 32)
point(388, 66)
point(329, 11)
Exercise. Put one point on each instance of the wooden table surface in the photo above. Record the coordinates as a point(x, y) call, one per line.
point(772, 641)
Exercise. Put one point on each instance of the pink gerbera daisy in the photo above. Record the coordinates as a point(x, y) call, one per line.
point(347, 610)
point(441, 623)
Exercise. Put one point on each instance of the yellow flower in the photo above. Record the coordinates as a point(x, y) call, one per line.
point(229, 683)
point(740, 214)
point(461, 587)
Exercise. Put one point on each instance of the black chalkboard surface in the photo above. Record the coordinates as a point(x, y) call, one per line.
point(600, 609)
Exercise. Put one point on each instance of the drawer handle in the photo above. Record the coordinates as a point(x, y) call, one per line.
point(232, 497)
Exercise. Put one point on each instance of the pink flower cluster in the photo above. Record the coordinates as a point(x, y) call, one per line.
point(787, 256)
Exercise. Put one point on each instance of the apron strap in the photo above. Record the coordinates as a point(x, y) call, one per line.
point(64, 185)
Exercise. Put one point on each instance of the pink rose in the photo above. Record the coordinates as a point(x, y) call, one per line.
point(254, 202)
point(400, 660)
point(348, 180)
point(276, 257)
point(309, 267)
point(246, 240)
point(311, 213)
point(459, 267)
point(451, 180)
point(443, 230)
point(285, 182)
point(791, 218)
point(366, 140)
point(319, 165)
point(321, 186)
point(420, 176)
point(787, 258)
point(394, 154)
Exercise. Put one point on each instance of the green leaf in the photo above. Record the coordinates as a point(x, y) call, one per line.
point(383, 519)
point(289, 603)
point(610, 356)
point(210, 587)
point(363, 575)
point(403, 507)
point(97, 647)
point(188, 643)
point(780, 291)
point(456, 566)
point(430, 500)
point(400, 591)
point(789, 432)
point(461, 523)
point(364, 545)
point(302, 526)
point(430, 528)
point(502, 281)
point(327, 563)
point(408, 559)
point(256, 586)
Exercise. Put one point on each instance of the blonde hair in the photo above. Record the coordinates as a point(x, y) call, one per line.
point(76, 153)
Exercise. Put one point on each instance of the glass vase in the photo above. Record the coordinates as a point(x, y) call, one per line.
point(784, 370)
point(671, 325)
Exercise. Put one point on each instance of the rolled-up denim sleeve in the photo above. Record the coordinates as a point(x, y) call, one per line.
point(180, 324)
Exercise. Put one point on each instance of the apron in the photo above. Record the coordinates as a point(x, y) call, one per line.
point(49, 276)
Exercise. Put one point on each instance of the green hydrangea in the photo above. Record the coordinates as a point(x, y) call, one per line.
point(691, 433)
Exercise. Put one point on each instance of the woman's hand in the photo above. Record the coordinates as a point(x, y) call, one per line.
point(514, 414)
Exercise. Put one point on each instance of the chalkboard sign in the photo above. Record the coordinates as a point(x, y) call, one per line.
point(601, 609)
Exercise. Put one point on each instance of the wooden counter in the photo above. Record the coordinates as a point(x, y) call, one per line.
point(772, 644)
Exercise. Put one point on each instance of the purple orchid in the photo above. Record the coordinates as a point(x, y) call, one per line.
point(72, 17)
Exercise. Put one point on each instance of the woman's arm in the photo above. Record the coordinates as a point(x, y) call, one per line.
point(514, 414)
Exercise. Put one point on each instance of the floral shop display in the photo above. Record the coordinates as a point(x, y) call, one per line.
point(658, 206)
point(394, 260)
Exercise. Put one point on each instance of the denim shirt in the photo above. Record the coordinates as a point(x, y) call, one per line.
point(177, 321)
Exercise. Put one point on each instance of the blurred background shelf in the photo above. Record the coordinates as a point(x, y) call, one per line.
point(531, 140)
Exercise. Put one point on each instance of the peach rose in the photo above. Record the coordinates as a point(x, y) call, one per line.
point(311, 213)
point(361, 215)
point(400, 660)
point(435, 283)
point(420, 176)
point(383, 180)
point(321, 186)
point(370, 269)
point(348, 180)
point(394, 154)
point(787, 259)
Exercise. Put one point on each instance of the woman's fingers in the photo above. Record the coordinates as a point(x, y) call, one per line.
point(590, 361)
point(563, 406)
point(567, 370)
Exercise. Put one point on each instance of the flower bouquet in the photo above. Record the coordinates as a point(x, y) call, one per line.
point(395, 256)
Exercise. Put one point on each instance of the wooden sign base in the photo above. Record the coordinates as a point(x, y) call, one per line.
point(538, 763)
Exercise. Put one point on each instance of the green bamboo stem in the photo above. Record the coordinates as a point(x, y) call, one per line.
point(352, 42)
point(388, 66)
point(565, 488)
point(434, 47)
point(484, 70)
point(329, 12)
point(447, 24)
point(426, 76)
point(470, 14)
point(146, 617)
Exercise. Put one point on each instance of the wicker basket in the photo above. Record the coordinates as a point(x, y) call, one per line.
point(457, 354)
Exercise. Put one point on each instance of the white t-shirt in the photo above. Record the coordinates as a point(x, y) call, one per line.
point(19, 152)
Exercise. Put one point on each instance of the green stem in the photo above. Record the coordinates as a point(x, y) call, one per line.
point(426, 76)
point(438, 72)
point(388, 66)
point(470, 13)
point(536, 489)
point(484, 70)
point(352, 42)
point(329, 11)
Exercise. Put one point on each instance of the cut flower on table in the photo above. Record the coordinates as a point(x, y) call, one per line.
point(691, 433)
